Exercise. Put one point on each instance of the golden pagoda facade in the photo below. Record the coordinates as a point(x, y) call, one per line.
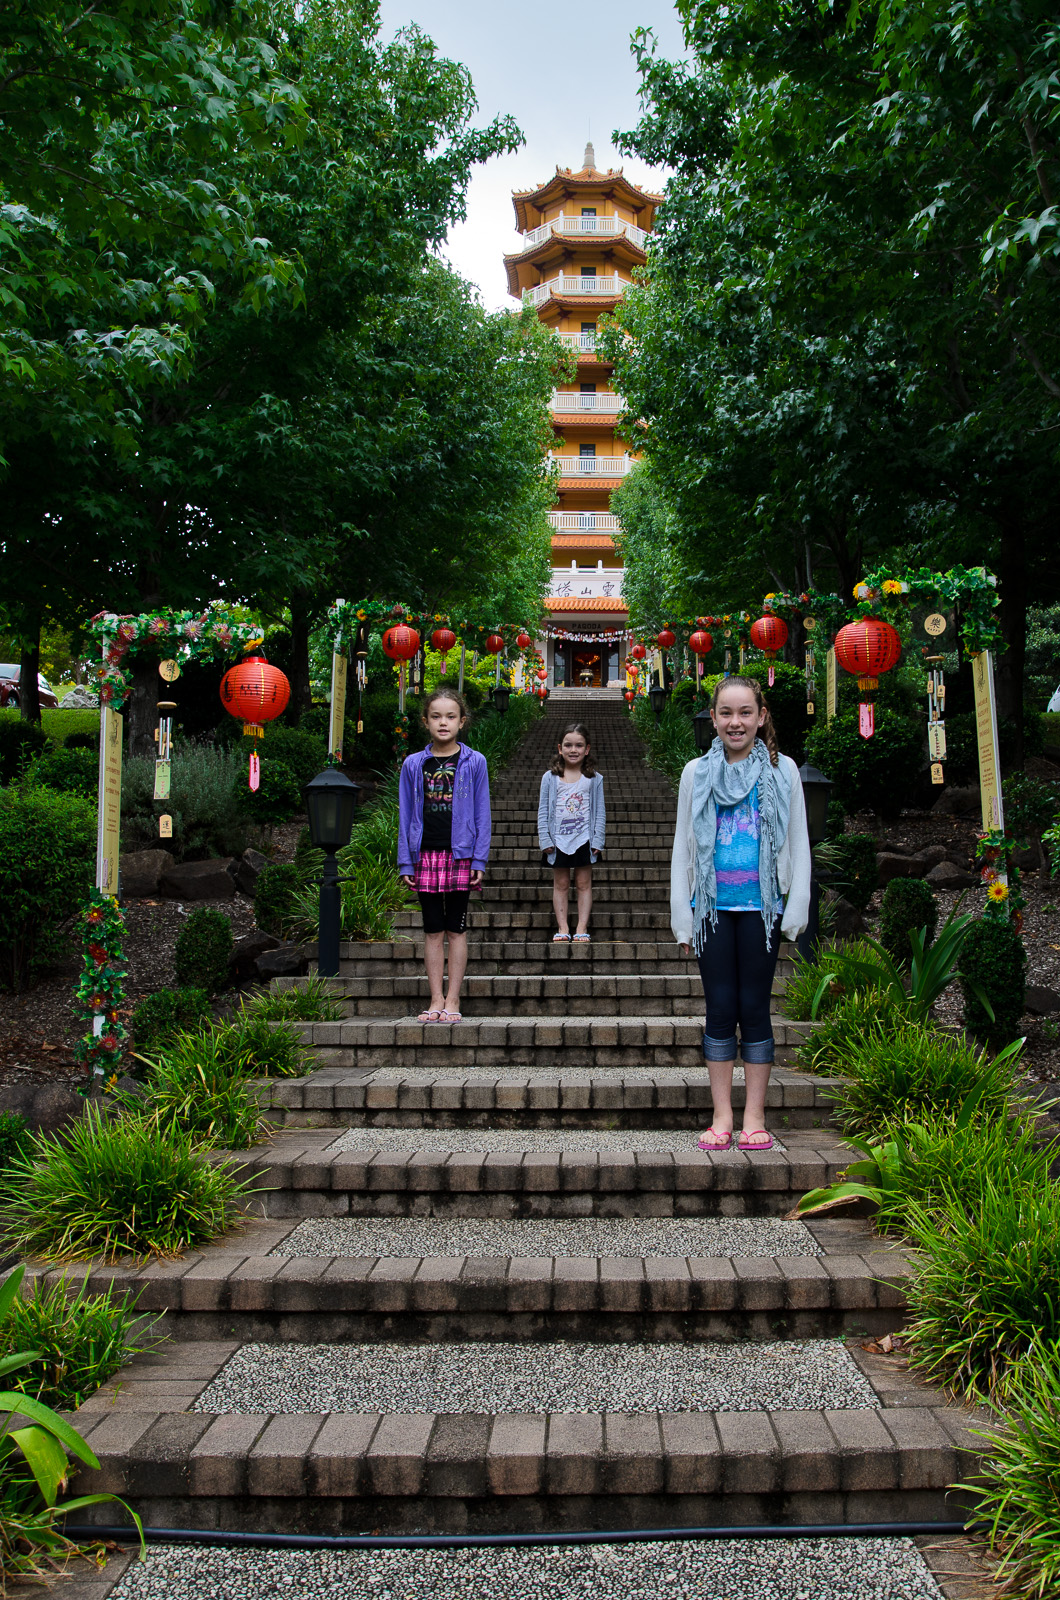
point(584, 235)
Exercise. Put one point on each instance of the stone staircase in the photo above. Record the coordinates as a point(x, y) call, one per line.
point(492, 1285)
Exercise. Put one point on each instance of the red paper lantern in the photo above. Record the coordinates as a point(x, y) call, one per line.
point(666, 639)
point(443, 640)
point(494, 644)
point(254, 691)
point(400, 643)
point(701, 643)
point(543, 675)
point(769, 634)
point(629, 697)
point(867, 649)
point(523, 640)
point(638, 652)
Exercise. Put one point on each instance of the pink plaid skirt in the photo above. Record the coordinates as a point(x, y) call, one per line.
point(438, 873)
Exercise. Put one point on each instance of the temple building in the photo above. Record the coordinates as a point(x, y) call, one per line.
point(584, 234)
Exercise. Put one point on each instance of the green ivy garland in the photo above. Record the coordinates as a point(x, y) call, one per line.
point(972, 591)
point(192, 633)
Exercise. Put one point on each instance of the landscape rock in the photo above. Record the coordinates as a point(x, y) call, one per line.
point(199, 880)
point(285, 961)
point(1040, 1001)
point(958, 802)
point(242, 963)
point(141, 871)
point(47, 1107)
point(949, 876)
point(249, 868)
point(932, 854)
point(891, 865)
point(846, 920)
point(79, 698)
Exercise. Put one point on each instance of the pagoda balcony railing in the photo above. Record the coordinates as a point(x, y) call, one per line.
point(609, 403)
point(567, 283)
point(593, 466)
point(584, 342)
point(584, 521)
point(596, 227)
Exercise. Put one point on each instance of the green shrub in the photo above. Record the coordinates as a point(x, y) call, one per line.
point(303, 752)
point(16, 1138)
point(827, 1046)
point(20, 744)
point(670, 743)
point(195, 1089)
point(804, 985)
point(202, 950)
point(115, 1186)
point(256, 1047)
point(962, 744)
point(985, 1289)
point(205, 802)
point(850, 861)
point(80, 1340)
point(68, 772)
point(908, 904)
point(1015, 1490)
point(683, 694)
point(1031, 805)
point(47, 862)
point(881, 774)
point(994, 960)
point(946, 1164)
point(159, 1017)
point(787, 705)
point(274, 896)
point(308, 1000)
point(82, 741)
point(372, 895)
point(277, 798)
point(898, 1074)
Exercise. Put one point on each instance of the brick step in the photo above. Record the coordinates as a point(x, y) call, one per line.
point(253, 1288)
point(535, 877)
point(336, 1473)
point(673, 995)
point(655, 823)
point(617, 854)
point(607, 918)
point(509, 957)
point(310, 1173)
point(419, 1096)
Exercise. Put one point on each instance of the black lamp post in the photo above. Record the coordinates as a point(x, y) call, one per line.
point(817, 791)
point(331, 800)
point(704, 730)
point(500, 694)
point(658, 696)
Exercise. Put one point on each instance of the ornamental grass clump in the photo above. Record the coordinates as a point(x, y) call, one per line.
point(1018, 1486)
point(78, 1340)
point(307, 1000)
point(987, 1284)
point(199, 1089)
point(112, 1186)
point(826, 1048)
point(259, 1048)
point(804, 985)
point(898, 1074)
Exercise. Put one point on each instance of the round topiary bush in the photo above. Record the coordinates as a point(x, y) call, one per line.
point(881, 774)
point(203, 947)
point(908, 904)
point(993, 960)
point(159, 1017)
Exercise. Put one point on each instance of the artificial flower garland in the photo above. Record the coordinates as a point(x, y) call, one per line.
point(101, 987)
point(192, 634)
point(972, 591)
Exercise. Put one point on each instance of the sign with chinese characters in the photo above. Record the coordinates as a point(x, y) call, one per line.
point(600, 583)
point(986, 737)
point(108, 827)
point(339, 663)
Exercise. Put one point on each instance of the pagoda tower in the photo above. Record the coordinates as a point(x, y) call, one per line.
point(584, 234)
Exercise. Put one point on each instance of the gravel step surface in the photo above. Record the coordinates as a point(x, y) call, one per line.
point(760, 1569)
point(531, 1074)
point(529, 1139)
point(488, 1379)
point(581, 1236)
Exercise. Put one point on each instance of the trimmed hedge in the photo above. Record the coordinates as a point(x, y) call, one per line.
point(47, 861)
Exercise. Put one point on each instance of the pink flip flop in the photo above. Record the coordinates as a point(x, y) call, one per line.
point(723, 1141)
point(450, 1016)
point(762, 1141)
point(430, 1016)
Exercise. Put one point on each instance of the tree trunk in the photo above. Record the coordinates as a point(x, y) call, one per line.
point(301, 684)
point(1012, 613)
point(141, 708)
point(28, 687)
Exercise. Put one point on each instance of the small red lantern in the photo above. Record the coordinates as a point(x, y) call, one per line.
point(494, 644)
point(523, 640)
point(541, 692)
point(443, 640)
point(770, 635)
point(867, 649)
point(255, 693)
point(638, 652)
point(701, 643)
point(400, 643)
point(543, 675)
point(666, 639)
point(629, 697)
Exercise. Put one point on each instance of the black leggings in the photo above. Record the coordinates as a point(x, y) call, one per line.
point(445, 913)
point(737, 968)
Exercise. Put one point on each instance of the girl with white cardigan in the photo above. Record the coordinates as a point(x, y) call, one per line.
point(739, 881)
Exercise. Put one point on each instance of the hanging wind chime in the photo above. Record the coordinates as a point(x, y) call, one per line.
point(935, 627)
point(769, 634)
point(867, 649)
point(810, 625)
point(254, 693)
point(360, 656)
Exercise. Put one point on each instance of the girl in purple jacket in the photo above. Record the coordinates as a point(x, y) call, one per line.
point(444, 843)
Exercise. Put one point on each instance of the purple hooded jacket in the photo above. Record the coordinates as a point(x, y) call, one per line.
point(471, 810)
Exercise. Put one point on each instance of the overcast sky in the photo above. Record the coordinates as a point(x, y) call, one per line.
point(559, 73)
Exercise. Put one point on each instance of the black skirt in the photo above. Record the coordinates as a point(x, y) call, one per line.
point(582, 857)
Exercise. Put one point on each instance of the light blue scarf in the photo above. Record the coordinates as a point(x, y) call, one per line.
point(718, 782)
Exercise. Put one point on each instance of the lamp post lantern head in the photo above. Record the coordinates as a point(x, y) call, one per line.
point(817, 790)
point(331, 799)
point(703, 727)
point(501, 694)
point(657, 695)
